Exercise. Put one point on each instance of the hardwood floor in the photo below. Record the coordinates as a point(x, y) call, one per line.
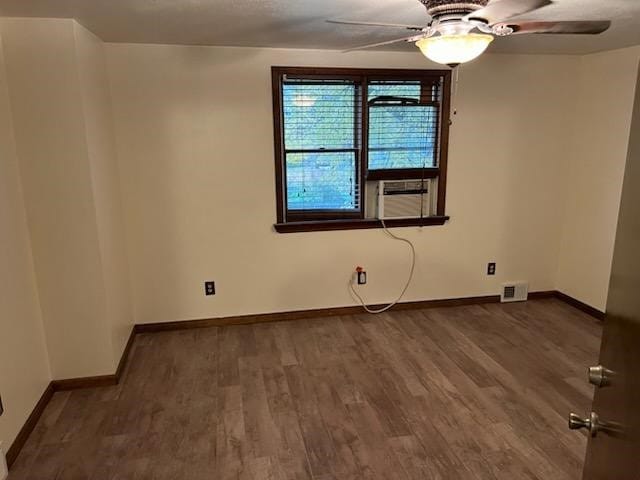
point(476, 392)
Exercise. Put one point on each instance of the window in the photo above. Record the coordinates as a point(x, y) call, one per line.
point(321, 148)
point(339, 132)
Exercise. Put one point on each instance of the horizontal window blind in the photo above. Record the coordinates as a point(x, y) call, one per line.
point(321, 124)
point(404, 118)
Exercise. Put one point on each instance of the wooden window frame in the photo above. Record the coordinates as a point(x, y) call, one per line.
point(334, 220)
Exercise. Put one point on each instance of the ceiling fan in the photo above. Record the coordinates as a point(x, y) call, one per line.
point(461, 30)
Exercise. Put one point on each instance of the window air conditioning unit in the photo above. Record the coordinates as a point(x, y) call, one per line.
point(404, 199)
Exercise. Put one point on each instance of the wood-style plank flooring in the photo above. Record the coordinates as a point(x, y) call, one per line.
point(478, 392)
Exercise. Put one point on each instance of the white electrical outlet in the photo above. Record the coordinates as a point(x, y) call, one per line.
point(359, 276)
point(4, 470)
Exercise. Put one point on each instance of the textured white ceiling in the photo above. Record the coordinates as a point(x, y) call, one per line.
point(301, 23)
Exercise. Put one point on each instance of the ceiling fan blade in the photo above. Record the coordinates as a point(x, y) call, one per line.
point(417, 28)
point(501, 10)
point(413, 38)
point(578, 27)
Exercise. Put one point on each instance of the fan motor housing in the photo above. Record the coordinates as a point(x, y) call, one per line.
point(439, 8)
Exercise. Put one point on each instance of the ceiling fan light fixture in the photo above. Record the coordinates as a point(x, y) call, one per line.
point(454, 49)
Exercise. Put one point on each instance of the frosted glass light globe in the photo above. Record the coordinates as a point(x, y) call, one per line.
point(454, 49)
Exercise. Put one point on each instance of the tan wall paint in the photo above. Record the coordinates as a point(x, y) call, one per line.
point(98, 118)
point(195, 145)
point(24, 366)
point(55, 144)
point(602, 119)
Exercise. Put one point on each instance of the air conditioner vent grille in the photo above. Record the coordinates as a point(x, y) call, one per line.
point(404, 199)
point(514, 292)
point(405, 186)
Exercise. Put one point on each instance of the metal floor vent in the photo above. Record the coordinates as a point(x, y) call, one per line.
point(514, 292)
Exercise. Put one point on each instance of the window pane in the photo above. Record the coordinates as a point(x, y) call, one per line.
point(319, 115)
point(402, 133)
point(402, 136)
point(321, 181)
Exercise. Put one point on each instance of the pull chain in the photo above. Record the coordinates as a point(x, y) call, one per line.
point(454, 96)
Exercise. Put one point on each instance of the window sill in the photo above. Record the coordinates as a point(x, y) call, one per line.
point(357, 224)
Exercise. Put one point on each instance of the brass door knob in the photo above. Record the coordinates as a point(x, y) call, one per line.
point(591, 423)
point(600, 376)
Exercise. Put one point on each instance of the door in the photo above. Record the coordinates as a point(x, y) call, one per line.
point(614, 453)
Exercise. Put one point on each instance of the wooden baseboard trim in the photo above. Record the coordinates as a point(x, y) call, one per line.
point(98, 380)
point(301, 314)
point(542, 295)
point(124, 359)
point(29, 425)
point(84, 382)
point(61, 386)
point(317, 313)
point(588, 309)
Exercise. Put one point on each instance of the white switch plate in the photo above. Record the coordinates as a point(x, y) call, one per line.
point(4, 471)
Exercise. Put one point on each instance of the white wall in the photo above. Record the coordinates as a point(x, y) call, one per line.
point(105, 181)
point(52, 148)
point(596, 163)
point(195, 146)
point(24, 367)
point(60, 102)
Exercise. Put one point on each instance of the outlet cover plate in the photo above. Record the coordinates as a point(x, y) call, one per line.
point(491, 268)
